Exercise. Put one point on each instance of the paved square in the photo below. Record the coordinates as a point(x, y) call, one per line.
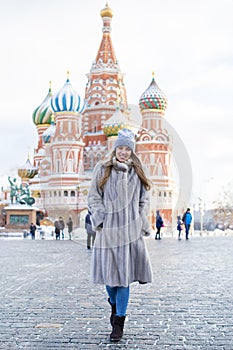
point(48, 303)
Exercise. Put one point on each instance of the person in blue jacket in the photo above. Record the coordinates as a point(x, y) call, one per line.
point(187, 219)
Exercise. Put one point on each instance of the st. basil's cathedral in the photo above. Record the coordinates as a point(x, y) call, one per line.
point(73, 135)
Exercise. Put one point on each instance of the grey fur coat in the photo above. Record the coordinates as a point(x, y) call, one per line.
point(119, 255)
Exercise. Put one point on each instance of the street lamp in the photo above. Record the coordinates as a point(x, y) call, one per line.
point(78, 193)
point(201, 210)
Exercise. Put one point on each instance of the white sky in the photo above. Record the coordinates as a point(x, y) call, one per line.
point(187, 43)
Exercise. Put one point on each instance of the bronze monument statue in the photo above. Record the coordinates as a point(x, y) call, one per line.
point(20, 195)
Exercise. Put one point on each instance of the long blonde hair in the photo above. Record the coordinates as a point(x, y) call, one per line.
point(136, 163)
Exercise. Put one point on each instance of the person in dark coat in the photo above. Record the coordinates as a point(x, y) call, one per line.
point(62, 226)
point(70, 227)
point(159, 224)
point(179, 227)
point(90, 233)
point(118, 200)
point(57, 230)
point(33, 230)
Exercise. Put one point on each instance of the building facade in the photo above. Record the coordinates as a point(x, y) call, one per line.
point(73, 135)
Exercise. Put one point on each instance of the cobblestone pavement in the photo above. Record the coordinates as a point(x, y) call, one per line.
point(48, 303)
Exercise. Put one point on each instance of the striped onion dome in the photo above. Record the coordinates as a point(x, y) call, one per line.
point(50, 132)
point(42, 114)
point(153, 98)
point(67, 100)
point(115, 123)
point(27, 171)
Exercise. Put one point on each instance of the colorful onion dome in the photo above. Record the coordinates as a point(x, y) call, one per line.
point(28, 171)
point(106, 12)
point(43, 113)
point(67, 99)
point(50, 132)
point(115, 123)
point(153, 98)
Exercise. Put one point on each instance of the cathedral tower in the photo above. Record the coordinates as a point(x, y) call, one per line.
point(154, 146)
point(42, 118)
point(105, 90)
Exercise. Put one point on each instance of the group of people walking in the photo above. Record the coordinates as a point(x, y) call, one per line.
point(184, 223)
point(60, 227)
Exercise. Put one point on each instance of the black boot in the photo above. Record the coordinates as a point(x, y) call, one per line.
point(118, 327)
point(113, 306)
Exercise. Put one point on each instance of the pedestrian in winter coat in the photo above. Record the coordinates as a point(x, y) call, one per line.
point(57, 229)
point(70, 227)
point(90, 233)
point(159, 224)
point(179, 227)
point(118, 201)
point(33, 230)
point(187, 219)
point(61, 226)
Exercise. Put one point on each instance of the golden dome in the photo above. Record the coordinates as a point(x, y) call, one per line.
point(115, 123)
point(106, 12)
point(27, 171)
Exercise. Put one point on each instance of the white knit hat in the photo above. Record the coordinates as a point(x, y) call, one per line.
point(125, 138)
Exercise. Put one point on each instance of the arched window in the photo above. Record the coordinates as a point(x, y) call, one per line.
point(152, 158)
point(72, 193)
point(94, 126)
point(58, 166)
point(91, 161)
point(70, 127)
point(70, 166)
point(65, 193)
point(160, 169)
point(61, 127)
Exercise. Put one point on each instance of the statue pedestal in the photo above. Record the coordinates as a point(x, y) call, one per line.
point(20, 216)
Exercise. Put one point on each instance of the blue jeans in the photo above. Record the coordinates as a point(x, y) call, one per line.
point(187, 227)
point(120, 297)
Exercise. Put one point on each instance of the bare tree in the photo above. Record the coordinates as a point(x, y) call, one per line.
point(224, 206)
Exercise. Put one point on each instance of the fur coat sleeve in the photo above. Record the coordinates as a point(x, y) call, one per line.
point(144, 205)
point(95, 199)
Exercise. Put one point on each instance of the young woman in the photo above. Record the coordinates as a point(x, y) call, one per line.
point(118, 201)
